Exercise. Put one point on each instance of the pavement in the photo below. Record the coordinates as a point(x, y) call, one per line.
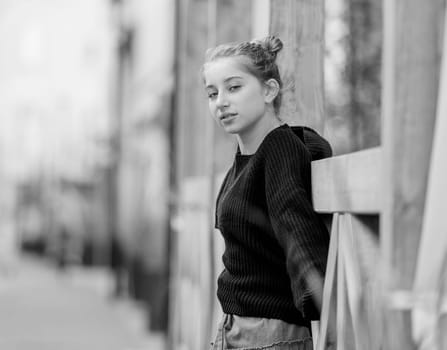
point(42, 308)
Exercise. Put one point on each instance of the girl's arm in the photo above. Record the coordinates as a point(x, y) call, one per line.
point(298, 228)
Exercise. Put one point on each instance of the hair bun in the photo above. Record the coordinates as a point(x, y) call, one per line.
point(273, 45)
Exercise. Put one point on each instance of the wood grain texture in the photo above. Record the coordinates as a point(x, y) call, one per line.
point(193, 269)
point(365, 250)
point(410, 90)
point(345, 331)
point(431, 270)
point(354, 267)
point(192, 110)
point(411, 67)
point(354, 286)
point(328, 309)
point(299, 24)
point(348, 183)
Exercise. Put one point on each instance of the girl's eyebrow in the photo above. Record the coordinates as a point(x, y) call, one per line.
point(232, 77)
point(226, 80)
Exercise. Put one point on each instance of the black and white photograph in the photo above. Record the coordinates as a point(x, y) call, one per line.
point(223, 175)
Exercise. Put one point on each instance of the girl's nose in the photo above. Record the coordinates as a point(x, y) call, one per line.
point(221, 101)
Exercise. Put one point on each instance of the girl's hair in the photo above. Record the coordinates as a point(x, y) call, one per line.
point(261, 63)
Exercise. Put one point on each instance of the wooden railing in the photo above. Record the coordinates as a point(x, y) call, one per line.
point(386, 285)
point(349, 186)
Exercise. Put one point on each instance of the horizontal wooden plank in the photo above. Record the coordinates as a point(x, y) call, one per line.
point(348, 183)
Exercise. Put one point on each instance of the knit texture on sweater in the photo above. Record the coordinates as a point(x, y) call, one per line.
point(275, 243)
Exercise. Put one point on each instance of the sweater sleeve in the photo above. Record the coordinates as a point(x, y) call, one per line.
point(298, 228)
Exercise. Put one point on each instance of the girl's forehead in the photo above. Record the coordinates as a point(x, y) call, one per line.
point(223, 68)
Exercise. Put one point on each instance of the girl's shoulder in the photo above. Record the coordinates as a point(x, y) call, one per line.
point(295, 140)
point(283, 140)
point(283, 150)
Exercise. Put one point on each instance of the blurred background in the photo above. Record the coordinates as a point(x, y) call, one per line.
point(109, 161)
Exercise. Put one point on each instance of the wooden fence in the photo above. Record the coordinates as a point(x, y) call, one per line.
point(374, 266)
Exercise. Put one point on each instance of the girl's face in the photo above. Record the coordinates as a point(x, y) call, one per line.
point(236, 98)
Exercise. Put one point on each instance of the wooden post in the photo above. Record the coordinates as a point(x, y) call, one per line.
point(191, 166)
point(430, 285)
point(410, 85)
point(192, 111)
point(299, 24)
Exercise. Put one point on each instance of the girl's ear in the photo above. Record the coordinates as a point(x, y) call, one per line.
point(271, 90)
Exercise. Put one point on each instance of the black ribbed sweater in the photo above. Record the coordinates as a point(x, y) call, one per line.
point(274, 241)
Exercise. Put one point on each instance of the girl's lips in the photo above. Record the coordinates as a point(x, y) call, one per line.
point(227, 116)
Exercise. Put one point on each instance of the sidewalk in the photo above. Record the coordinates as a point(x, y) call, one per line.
point(42, 308)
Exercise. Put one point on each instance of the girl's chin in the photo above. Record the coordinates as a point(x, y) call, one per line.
point(231, 129)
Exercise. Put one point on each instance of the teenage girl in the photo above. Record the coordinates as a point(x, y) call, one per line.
point(275, 244)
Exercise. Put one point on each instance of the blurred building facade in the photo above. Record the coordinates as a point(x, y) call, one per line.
point(55, 107)
point(140, 174)
point(85, 108)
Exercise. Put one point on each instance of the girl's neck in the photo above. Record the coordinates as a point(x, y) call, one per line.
point(250, 140)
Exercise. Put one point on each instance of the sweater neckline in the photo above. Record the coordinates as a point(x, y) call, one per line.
point(245, 157)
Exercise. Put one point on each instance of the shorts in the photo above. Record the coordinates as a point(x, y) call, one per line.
point(254, 333)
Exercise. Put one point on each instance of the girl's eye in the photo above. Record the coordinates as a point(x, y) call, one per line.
point(212, 95)
point(234, 88)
